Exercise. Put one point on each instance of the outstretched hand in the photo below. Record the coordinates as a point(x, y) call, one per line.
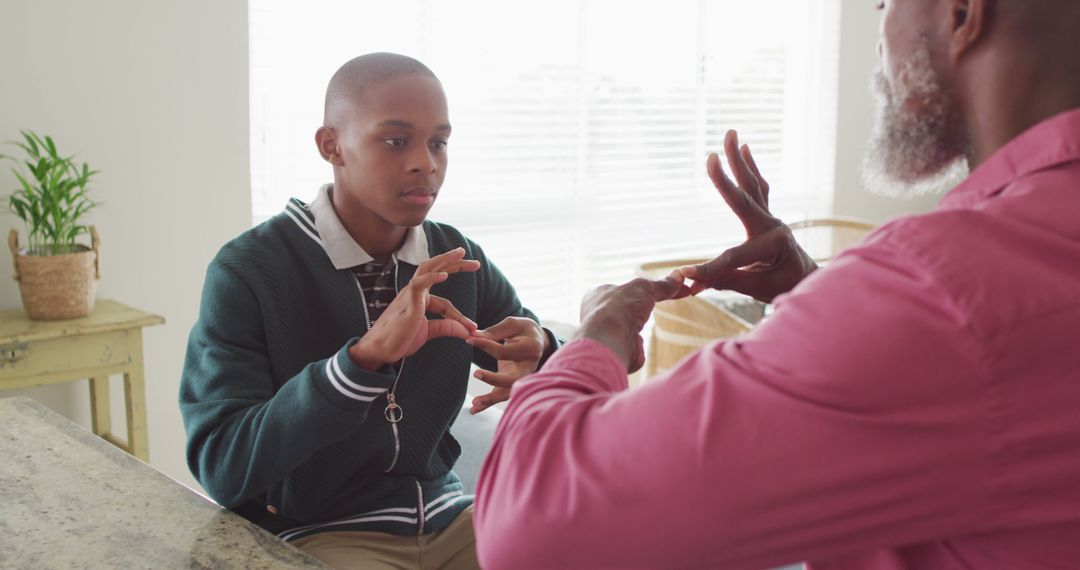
point(770, 262)
point(615, 314)
point(517, 343)
point(404, 327)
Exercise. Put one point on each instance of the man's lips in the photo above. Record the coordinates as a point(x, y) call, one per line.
point(419, 196)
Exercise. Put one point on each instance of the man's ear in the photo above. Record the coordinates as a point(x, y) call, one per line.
point(326, 141)
point(969, 21)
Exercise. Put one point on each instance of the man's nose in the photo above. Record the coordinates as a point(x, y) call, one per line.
point(422, 161)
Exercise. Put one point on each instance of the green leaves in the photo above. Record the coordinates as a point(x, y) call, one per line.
point(51, 197)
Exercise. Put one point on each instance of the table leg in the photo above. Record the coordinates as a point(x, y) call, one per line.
point(135, 402)
point(100, 416)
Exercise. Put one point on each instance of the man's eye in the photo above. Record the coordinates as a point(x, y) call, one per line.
point(396, 143)
point(439, 145)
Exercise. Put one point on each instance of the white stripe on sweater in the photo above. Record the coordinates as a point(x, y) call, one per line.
point(443, 498)
point(288, 534)
point(303, 227)
point(297, 529)
point(431, 514)
point(350, 383)
point(341, 387)
point(305, 214)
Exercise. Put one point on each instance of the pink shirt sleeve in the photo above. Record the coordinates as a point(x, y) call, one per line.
point(853, 419)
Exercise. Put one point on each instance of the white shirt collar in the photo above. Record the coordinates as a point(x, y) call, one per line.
point(344, 252)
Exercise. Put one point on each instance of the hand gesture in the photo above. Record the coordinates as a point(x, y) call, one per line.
point(769, 262)
point(517, 343)
point(404, 327)
point(615, 314)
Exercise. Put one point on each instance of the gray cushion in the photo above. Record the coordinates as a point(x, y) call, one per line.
point(474, 433)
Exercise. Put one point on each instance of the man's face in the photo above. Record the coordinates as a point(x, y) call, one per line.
point(393, 146)
point(918, 144)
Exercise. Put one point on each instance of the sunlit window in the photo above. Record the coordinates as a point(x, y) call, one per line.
point(580, 126)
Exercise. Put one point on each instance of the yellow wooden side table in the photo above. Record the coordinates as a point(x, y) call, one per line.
point(107, 341)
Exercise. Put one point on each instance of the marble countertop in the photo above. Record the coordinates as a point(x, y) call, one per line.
point(71, 500)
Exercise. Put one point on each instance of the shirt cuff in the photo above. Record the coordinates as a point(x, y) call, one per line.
point(591, 361)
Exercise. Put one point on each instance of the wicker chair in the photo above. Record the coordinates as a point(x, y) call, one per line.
point(823, 238)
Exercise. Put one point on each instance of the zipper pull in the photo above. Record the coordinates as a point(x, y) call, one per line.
point(393, 412)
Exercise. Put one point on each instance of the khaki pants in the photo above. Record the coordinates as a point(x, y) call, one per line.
point(453, 549)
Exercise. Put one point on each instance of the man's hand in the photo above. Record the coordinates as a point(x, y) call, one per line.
point(517, 344)
point(404, 327)
point(770, 262)
point(615, 314)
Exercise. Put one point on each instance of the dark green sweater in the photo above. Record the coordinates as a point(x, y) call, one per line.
point(282, 426)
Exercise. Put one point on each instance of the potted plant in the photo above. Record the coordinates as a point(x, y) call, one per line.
point(57, 276)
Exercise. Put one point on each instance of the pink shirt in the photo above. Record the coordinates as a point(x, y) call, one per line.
point(914, 405)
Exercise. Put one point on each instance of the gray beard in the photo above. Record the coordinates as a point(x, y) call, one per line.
point(913, 154)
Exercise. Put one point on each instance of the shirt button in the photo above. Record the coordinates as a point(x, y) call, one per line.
point(271, 509)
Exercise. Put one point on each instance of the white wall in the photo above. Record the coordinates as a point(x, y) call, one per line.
point(155, 95)
point(859, 23)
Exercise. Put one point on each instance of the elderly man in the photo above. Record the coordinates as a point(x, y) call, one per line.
point(913, 405)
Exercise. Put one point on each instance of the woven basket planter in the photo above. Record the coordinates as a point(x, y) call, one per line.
point(57, 287)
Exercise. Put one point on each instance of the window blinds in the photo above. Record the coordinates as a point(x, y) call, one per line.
point(580, 127)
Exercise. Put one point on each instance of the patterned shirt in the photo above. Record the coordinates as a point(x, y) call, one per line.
point(377, 282)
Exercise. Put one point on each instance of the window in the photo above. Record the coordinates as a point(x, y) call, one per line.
point(580, 126)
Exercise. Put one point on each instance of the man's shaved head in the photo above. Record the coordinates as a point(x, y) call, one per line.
point(348, 84)
point(385, 132)
point(1039, 20)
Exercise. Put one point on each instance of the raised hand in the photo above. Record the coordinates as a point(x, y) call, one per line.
point(769, 262)
point(404, 327)
point(517, 343)
point(615, 314)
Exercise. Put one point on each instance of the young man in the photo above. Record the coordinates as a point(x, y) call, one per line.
point(912, 405)
point(317, 395)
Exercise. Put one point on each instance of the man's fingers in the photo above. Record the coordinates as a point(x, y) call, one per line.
point(442, 258)
point(454, 266)
point(421, 284)
point(732, 259)
point(763, 185)
point(735, 199)
point(481, 403)
point(667, 288)
point(744, 207)
point(504, 329)
point(746, 179)
point(680, 279)
point(698, 287)
point(497, 379)
point(637, 360)
point(461, 266)
point(452, 261)
point(491, 347)
point(446, 328)
point(739, 280)
point(447, 310)
point(517, 349)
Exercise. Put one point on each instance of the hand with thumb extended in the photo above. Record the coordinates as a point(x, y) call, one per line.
point(615, 314)
point(770, 262)
point(404, 327)
point(517, 343)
